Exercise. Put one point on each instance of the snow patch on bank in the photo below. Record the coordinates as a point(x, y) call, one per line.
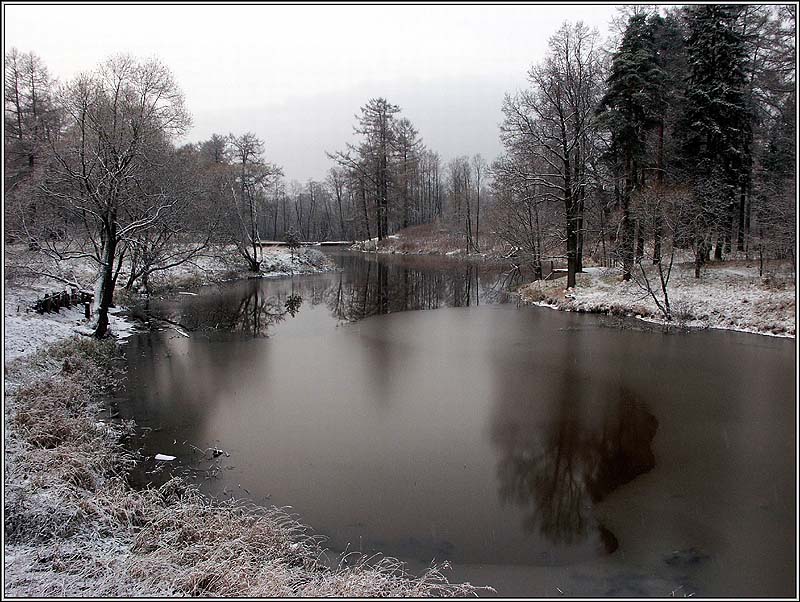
point(26, 331)
point(729, 297)
point(29, 276)
point(224, 264)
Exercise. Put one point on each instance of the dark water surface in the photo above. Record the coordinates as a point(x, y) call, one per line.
point(538, 451)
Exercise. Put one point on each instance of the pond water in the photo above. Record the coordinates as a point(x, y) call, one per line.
point(539, 452)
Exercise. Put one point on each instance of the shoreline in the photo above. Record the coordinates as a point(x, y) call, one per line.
point(730, 295)
point(25, 331)
point(653, 321)
point(727, 297)
point(76, 527)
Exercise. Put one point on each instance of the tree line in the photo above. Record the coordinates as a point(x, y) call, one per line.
point(94, 170)
point(679, 137)
point(678, 134)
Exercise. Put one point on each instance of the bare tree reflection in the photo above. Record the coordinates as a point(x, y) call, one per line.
point(293, 303)
point(244, 310)
point(367, 286)
point(255, 313)
point(381, 286)
point(622, 450)
point(558, 468)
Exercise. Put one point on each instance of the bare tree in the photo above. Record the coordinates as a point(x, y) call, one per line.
point(555, 121)
point(188, 228)
point(479, 168)
point(247, 188)
point(337, 182)
point(668, 208)
point(116, 120)
point(407, 147)
point(524, 216)
point(370, 159)
point(29, 114)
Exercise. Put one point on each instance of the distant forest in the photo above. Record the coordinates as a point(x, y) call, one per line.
point(675, 134)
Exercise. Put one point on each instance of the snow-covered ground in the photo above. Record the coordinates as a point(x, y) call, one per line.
point(30, 275)
point(26, 331)
point(728, 295)
point(224, 264)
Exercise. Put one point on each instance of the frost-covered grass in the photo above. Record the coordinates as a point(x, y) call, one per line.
point(74, 527)
point(729, 295)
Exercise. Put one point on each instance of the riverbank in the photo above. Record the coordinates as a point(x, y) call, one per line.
point(729, 295)
point(75, 527)
point(30, 275)
point(433, 239)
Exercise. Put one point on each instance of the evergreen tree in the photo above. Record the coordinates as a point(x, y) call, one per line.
point(670, 53)
point(632, 105)
point(717, 131)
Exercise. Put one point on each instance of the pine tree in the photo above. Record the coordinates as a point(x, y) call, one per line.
point(718, 126)
point(632, 105)
point(670, 54)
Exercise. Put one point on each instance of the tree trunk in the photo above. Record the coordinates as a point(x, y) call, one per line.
point(699, 256)
point(718, 247)
point(579, 230)
point(468, 221)
point(106, 291)
point(742, 203)
point(572, 239)
point(656, 240)
point(478, 219)
point(366, 212)
point(341, 214)
point(747, 213)
point(627, 225)
point(572, 245)
point(639, 239)
point(657, 226)
point(729, 226)
point(405, 188)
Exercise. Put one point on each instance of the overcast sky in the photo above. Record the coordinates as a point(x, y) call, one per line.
point(296, 75)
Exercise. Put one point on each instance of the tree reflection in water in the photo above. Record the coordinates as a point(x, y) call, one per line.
point(293, 303)
point(380, 286)
point(247, 310)
point(558, 467)
point(363, 289)
point(559, 453)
